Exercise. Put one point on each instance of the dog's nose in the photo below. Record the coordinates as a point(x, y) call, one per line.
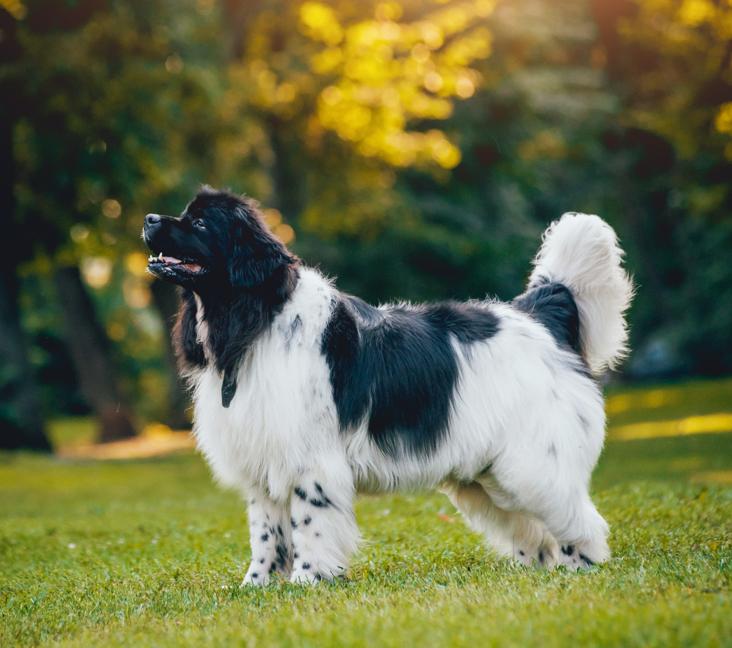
point(152, 219)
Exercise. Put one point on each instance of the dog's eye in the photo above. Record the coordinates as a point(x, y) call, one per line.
point(199, 224)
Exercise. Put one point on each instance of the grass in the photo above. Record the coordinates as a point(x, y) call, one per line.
point(151, 553)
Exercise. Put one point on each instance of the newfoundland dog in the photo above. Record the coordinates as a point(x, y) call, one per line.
point(305, 395)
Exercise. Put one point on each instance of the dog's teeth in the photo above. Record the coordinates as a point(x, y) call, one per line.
point(160, 256)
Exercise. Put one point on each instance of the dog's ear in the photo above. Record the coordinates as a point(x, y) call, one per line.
point(256, 255)
point(188, 349)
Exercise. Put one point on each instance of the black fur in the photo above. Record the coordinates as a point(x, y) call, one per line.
point(187, 349)
point(553, 305)
point(398, 366)
point(246, 277)
point(228, 385)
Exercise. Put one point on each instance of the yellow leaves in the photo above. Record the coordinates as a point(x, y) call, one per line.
point(265, 89)
point(285, 93)
point(430, 34)
point(388, 11)
point(420, 53)
point(387, 74)
point(320, 23)
point(283, 231)
point(331, 96)
point(695, 12)
point(723, 120)
point(442, 151)
point(433, 81)
point(453, 19)
point(723, 124)
point(474, 46)
point(464, 87)
point(370, 78)
point(688, 39)
point(327, 61)
point(136, 264)
point(370, 199)
point(15, 8)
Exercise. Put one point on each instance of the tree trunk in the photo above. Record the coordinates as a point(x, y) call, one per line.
point(90, 352)
point(287, 180)
point(21, 422)
point(165, 299)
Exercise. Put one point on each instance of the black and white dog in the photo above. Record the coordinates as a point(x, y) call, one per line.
point(304, 395)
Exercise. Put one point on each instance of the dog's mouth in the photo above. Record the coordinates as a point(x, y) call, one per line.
point(167, 266)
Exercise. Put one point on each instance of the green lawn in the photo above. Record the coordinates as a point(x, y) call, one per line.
point(152, 553)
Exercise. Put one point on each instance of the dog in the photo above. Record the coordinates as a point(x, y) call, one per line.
point(304, 395)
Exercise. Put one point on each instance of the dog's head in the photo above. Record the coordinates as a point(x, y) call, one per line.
point(220, 240)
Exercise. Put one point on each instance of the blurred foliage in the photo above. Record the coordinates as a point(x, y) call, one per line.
point(413, 149)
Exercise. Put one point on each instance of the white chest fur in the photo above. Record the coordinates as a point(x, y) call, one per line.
point(265, 437)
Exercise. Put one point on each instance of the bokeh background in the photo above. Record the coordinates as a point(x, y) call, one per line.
point(413, 149)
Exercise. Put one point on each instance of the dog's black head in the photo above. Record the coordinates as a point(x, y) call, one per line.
point(219, 241)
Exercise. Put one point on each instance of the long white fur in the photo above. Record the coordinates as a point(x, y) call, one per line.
point(526, 428)
point(582, 252)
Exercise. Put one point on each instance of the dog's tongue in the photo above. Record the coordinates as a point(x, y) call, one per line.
point(169, 260)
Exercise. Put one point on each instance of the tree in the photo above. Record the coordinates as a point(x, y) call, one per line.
point(100, 136)
point(21, 422)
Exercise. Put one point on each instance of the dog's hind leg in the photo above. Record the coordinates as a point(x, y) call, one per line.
point(324, 528)
point(270, 537)
point(560, 499)
point(510, 533)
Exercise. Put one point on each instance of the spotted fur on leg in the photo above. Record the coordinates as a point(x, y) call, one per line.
point(270, 536)
point(324, 532)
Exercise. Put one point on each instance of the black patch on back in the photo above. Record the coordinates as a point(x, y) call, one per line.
point(398, 366)
point(553, 305)
point(365, 312)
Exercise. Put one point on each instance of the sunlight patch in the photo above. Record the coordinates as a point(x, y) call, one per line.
point(718, 423)
point(723, 477)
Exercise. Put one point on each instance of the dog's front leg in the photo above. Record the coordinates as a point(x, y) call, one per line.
point(324, 530)
point(270, 537)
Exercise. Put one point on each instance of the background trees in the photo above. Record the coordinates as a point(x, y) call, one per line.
point(414, 149)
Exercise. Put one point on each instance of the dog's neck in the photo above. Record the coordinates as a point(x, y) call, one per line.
point(217, 327)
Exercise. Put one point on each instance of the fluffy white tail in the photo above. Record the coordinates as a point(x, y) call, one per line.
point(581, 251)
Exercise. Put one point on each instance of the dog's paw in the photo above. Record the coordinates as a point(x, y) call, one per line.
point(305, 577)
point(255, 579)
point(545, 556)
point(575, 558)
point(306, 574)
point(571, 559)
point(259, 575)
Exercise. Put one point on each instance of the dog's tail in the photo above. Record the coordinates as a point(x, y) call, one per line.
point(581, 252)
